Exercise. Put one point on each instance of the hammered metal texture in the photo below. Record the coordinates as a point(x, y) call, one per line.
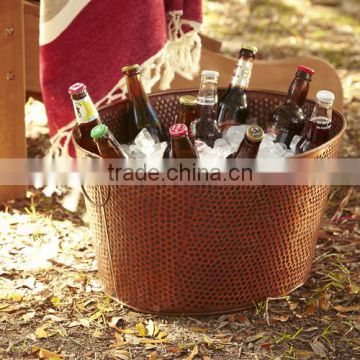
point(205, 249)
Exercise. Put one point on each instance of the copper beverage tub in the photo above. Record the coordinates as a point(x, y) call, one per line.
point(204, 249)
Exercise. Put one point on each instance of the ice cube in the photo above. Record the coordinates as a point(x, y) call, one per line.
point(135, 152)
point(278, 150)
point(159, 149)
point(145, 142)
point(200, 146)
point(222, 148)
point(207, 152)
point(235, 134)
point(289, 153)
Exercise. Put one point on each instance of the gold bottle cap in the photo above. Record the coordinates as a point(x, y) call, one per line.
point(134, 67)
point(249, 47)
point(255, 133)
point(188, 100)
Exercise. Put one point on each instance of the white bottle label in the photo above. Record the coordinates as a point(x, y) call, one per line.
point(242, 74)
point(85, 110)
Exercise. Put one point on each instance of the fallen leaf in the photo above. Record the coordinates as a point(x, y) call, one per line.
point(193, 353)
point(318, 348)
point(97, 334)
point(282, 318)
point(153, 341)
point(28, 316)
point(95, 316)
point(16, 297)
point(150, 328)
point(152, 356)
point(209, 342)
point(141, 329)
point(293, 305)
point(161, 335)
point(324, 302)
point(174, 349)
point(345, 309)
point(119, 344)
point(118, 354)
point(198, 329)
point(311, 308)
point(55, 301)
point(41, 333)
point(46, 354)
point(124, 331)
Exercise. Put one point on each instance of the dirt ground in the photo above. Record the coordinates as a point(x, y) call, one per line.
point(52, 306)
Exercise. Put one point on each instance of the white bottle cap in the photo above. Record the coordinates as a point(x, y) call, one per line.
point(325, 96)
point(210, 73)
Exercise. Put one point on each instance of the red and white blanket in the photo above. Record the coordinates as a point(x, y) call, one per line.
point(90, 41)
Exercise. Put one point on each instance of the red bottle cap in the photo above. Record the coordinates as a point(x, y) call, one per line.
point(76, 88)
point(177, 130)
point(306, 69)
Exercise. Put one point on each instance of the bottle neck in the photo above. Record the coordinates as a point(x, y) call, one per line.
point(322, 110)
point(186, 114)
point(136, 92)
point(242, 73)
point(207, 99)
point(84, 108)
point(298, 90)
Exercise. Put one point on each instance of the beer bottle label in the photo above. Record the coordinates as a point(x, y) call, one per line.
point(322, 123)
point(192, 129)
point(85, 110)
point(242, 74)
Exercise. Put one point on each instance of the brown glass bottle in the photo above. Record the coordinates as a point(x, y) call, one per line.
point(233, 108)
point(181, 145)
point(288, 119)
point(86, 115)
point(143, 113)
point(317, 129)
point(186, 116)
point(207, 129)
point(249, 146)
point(187, 110)
point(106, 143)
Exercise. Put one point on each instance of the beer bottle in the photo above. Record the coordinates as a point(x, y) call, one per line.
point(186, 116)
point(86, 115)
point(187, 109)
point(288, 119)
point(106, 143)
point(233, 108)
point(249, 146)
point(206, 125)
point(144, 115)
point(317, 129)
point(181, 146)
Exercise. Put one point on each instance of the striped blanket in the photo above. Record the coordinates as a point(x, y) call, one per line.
point(90, 40)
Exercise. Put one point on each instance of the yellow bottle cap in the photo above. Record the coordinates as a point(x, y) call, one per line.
point(134, 67)
point(188, 100)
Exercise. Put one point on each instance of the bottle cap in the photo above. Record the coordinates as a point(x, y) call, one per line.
point(99, 131)
point(249, 47)
point(210, 73)
point(133, 67)
point(325, 96)
point(177, 130)
point(188, 100)
point(255, 133)
point(77, 88)
point(306, 69)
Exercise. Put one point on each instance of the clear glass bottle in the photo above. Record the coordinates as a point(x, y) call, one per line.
point(207, 129)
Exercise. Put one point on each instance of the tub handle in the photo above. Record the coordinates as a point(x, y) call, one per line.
point(104, 201)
